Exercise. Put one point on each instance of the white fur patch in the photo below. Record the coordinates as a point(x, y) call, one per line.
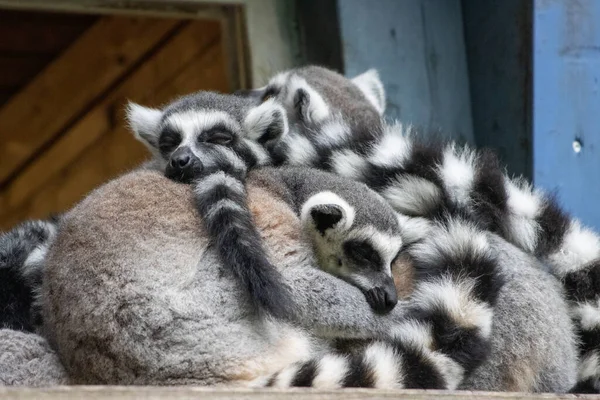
point(228, 204)
point(218, 178)
point(260, 118)
point(589, 367)
point(318, 110)
point(348, 164)
point(588, 314)
point(524, 206)
point(458, 173)
point(456, 239)
point(36, 256)
point(455, 299)
point(331, 371)
point(414, 333)
point(383, 362)
point(301, 150)
point(413, 229)
point(371, 86)
point(412, 195)
point(326, 198)
point(262, 157)
point(391, 151)
point(580, 246)
point(333, 133)
point(279, 79)
point(286, 377)
point(452, 372)
point(144, 122)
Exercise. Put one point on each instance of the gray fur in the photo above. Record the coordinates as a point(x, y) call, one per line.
point(533, 344)
point(134, 294)
point(346, 101)
point(26, 359)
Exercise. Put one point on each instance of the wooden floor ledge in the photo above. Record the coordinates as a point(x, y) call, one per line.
point(187, 392)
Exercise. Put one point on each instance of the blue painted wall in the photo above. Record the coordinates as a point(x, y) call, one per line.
point(418, 48)
point(498, 41)
point(566, 103)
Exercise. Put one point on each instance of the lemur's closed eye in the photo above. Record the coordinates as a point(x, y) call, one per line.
point(169, 139)
point(362, 252)
point(220, 137)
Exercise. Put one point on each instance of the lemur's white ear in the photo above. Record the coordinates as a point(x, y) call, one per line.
point(308, 103)
point(327, 210)
point(144, 122)
point(370, 84)
point(266, 123)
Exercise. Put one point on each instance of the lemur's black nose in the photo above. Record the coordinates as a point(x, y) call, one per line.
point(181, 159)
point(383, 298)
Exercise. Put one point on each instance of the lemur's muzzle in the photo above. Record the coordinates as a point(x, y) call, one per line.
point(383, 298)
point(183, 166)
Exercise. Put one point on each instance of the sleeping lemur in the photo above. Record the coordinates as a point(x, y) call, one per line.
point(134, 293)
point(418, 178)
point(424, 178)
point(355, 234)
point(212, 140)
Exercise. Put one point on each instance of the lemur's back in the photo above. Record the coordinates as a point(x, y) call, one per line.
point(134, 294)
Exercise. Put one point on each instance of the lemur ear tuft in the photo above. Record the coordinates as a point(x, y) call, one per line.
point(309, 105)
point(326, 216)
point(144, 122)
point(370, 84)
point(326, 210)
point(266, 123)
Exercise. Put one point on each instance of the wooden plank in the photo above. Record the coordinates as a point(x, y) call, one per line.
point(140, 86)
point(190, 392)
point(66, 87)
point(273, 41)
point(17, 69)
point(116, 150)
point(40, 32)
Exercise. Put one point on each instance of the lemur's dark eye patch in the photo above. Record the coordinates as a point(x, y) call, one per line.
point(361, 252)
point(218, 134)
point(169, 139)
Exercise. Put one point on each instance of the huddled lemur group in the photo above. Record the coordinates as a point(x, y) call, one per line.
point(365, 192)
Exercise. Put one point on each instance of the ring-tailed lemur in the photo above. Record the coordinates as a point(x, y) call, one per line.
point(211, 140)
point(22, 252)
point(160, 307)
point(214, 140)
point(355, 234)
point(429, 179)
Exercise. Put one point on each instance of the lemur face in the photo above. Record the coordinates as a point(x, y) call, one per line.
point(360, 255)
point(206, 132)
point(313, 96)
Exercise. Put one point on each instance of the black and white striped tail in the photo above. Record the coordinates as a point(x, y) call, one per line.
point(222, 203)
point(22, 253)
point(445, 336)
point(435, 180)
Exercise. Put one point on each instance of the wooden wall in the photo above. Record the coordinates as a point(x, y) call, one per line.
point(63, 132)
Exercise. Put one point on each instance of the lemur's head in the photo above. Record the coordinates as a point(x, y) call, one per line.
point(207, 131)
point(356, 247)
point(314, 96)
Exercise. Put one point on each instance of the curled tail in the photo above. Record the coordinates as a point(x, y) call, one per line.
point(436, 180)
point(22, 252)
point(445, 335)
point(222, 203)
